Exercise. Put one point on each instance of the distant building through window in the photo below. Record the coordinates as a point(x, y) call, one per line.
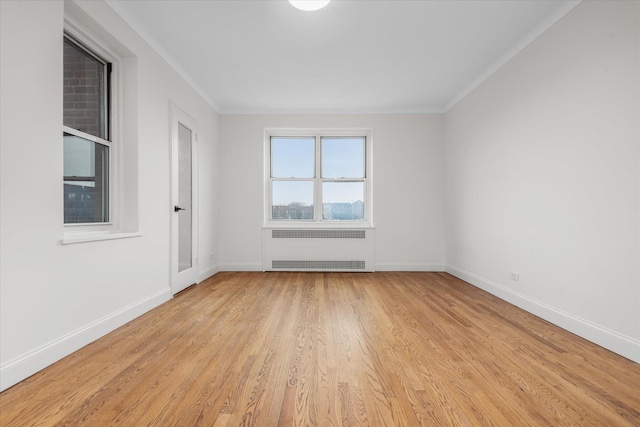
point(318, 178)
point(86, 135)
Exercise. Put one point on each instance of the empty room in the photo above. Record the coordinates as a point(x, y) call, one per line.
point(319, 212)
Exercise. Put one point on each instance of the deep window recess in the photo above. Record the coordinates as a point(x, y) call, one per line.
point(321, 179)
point(86, 135)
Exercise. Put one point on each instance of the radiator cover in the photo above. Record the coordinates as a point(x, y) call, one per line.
point(313, 249)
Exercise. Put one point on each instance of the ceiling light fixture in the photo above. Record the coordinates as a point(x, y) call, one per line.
point(309, 5)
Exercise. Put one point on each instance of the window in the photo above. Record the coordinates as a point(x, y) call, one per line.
point(86, 135)
point(318, 177)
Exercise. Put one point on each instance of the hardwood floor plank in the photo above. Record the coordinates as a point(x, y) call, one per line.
point(353, 409)
point(332, 349)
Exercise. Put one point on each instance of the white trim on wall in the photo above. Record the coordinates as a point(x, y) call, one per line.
point(566, 7)
point(383, 266)
point(618, 343)
point(162, 52)
point(241, 266)
point(403, 266)
point(29, 363)
point(208, 272)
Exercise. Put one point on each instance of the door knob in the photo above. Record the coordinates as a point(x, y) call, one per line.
point(178, 208)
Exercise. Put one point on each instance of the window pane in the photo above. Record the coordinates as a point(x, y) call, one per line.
point(84, 91)
point(343, 200)
point(343, 157)
point(185, 241)
point(292, 200)
point(86, 181)
point(292, 157)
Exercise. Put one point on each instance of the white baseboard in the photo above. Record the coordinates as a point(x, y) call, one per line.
point(241, 266)
point(401, 266)
point(208, 272)
point(383, 266)
point(28, 364)
point(612, 340)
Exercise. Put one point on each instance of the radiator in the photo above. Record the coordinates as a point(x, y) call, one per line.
point(334, 249)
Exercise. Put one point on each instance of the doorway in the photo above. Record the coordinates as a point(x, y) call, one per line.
point(184, 218)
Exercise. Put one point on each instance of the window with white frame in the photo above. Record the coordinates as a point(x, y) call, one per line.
point(318, 177)
point(86, 135)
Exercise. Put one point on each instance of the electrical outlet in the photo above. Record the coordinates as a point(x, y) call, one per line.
point(515, 276)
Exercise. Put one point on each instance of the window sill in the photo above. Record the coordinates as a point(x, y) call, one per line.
point(95, 237)
point(314, 224)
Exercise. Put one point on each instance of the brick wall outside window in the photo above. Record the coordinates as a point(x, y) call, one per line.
point(83, 91)
point(86, 167)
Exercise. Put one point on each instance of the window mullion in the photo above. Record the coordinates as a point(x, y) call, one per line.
point(87, 136)
point(318, 181)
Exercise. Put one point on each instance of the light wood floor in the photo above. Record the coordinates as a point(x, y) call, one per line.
point(298, 349)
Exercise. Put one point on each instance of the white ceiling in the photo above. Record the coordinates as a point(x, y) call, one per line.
point(354, 56)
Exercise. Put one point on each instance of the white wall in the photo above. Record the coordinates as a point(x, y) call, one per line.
point(543, 177)
point(408, 186)
point(54, 298)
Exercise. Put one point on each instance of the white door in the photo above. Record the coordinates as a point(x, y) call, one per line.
point(183, 209)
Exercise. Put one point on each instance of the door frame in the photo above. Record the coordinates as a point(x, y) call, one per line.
point(182, 280)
